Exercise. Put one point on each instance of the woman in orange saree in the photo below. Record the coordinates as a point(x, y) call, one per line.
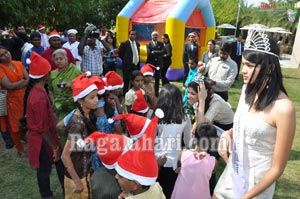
point(13, 78)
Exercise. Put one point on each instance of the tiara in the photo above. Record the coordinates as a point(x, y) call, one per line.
point(198, 79)
point(258, 41)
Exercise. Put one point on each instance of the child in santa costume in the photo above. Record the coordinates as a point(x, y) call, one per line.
point(137, 169)
point(148, 72)
point(134, 99)
point(77, 159)
point(114, 84)
point(109, 148)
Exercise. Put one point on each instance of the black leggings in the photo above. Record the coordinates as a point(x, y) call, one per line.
point(167, 178)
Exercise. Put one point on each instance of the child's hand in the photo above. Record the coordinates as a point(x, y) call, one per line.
point(201, 66)
point(123, 195)
point(162, 160)
point(224, 148)
point(177, 170)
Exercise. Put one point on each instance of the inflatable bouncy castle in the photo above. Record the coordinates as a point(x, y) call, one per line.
point(177, 18)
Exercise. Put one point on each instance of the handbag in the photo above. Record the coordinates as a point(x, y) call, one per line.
point(3, 104)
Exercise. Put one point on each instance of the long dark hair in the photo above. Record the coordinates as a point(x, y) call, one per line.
point(167, 37)
point(194, 85)
point(109, 109)
point(269, 82)
point(170, 101)
point(90, 123)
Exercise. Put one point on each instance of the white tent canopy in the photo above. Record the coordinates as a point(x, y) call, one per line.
point(255, 26)
point(226, 26)
point(279, 30)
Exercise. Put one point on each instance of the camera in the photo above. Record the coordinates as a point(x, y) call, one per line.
point(61, 85)
point(92, 31)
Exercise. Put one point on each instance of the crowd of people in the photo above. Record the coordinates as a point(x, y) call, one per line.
point(114, 135)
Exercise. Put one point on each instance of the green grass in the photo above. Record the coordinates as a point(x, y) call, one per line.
point(18, 179)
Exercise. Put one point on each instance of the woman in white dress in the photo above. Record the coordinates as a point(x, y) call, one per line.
point(263, 128)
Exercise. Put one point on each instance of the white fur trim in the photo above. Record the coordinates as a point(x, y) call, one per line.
point(85, 92)
point(144, 110)
point(100, 92)
point(146, 181)
point(137, 136)
point(115, 87)
point(36, 76)
point(159, 113)
point(148, 73)
point(54, 35)
point(112, 166)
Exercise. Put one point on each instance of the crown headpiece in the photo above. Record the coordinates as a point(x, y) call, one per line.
point(198, 79)
point(258, 41)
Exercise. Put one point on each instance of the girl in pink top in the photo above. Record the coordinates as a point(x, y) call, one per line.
point(195, 167)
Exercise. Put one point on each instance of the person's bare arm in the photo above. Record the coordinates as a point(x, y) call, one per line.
point(66, 158)
point(285, 120)
point(7, 84)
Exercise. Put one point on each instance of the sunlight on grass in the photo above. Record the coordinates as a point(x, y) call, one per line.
point(18, 179)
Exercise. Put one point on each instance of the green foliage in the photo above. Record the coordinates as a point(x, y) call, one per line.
point(225, 11)
point(59, 14)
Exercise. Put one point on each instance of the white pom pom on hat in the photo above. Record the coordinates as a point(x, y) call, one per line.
point(159, 113)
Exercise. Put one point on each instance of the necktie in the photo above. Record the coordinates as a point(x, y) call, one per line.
point(135, 59)
point(238, 51)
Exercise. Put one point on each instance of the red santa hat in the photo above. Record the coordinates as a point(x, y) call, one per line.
point(99, 83)
point(38, 66)
point(136, 124)
point(194, 34)
point(41, 27)
point(140, 104)
point(148, 69)
point(82, 86)
point(109, 147)
point(139, 162)
point(113, 81)
point(54, 33)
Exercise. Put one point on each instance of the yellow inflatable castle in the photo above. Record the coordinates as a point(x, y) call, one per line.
point(177, 18)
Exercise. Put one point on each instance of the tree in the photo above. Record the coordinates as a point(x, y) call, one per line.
point(58, 14)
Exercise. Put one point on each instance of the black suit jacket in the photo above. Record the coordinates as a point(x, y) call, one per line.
point(233, 54)
point(155, 58)
point(125, 53)
point(188, 53)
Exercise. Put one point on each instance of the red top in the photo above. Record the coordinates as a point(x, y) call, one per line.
point(40, 119)
point(47, 54)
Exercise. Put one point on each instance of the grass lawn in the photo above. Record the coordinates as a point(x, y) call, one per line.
point(18, 179)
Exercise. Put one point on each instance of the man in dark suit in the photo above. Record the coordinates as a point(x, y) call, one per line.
point(129, 52)
point(155, 52)
point(190, 51)
point(236, 53)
